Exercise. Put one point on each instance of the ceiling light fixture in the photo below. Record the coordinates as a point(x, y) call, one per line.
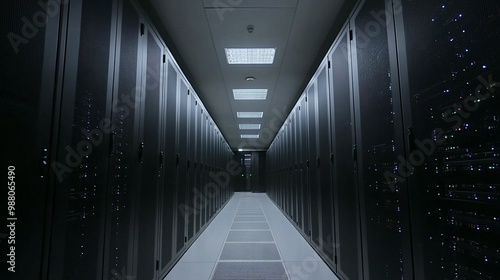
point(250, 94)
point(250, 55)
point(250, 79)
point(250, 126)
point(253, 136)
point(249, 115)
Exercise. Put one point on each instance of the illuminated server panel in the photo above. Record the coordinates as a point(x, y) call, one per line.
point(466, 195)
point(452, 52)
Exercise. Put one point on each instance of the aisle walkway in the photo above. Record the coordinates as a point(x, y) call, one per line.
point(250, 239)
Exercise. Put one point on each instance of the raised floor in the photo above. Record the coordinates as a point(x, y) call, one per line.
point(250, 239)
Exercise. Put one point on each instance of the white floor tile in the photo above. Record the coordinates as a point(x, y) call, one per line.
point(191, 271)
point(300, 260)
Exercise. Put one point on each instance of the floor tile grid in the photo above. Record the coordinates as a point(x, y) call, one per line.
point(249, 206)
point(183, 269)
point(297, 257)
point(227, 234)
point(309, 265)
point(230, 229)
point(274, 238)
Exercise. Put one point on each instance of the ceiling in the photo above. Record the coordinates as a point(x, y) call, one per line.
point(197, 32)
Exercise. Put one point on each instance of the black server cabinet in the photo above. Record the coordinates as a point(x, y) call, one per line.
point(293, 167)
point(258, 170)
point(217, 143)
point(190, 184)
point(284, 172)
point(278, 173)
point(216, 167)
point(203, 167)
point(324, 167)
point(286, 180)
point(221, 168)
point(213, 163)
point(296, 168)
point(182, 146)
point(149, 157)
point(289, 171)
point(276, 169)
point(314, 190)
point(78, 210)
point(289, 165)
point(379, 140)
point(206, 135)
point(168, 209)
point(120, 220)
point(279, 163)
point(272, 173)
point(210, 162)
point(449, 54)
point(27, 75)
point(304, 192)
point(198, 199)
point(346, 202)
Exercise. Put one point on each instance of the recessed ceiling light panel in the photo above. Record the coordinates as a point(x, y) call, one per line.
point(254, 136)
point(250, 115)
point(250, 55)
point(250, 94)
point(250, 126)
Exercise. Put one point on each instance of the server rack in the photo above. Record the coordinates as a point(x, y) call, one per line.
point(83, 144)
point(305, 174)
point(345, 199)
point(27, 76)
point(314, 214)
point(294, 167)
point(204, 163)
point(284, 170)
point(379, 142)
point(149, 156)
point(190, 166)
point(105, 127)
point(289, 171)
point(449, 93)
point(413, 191)
point(182, 144)
point(168, 210)
point(210, 150)
point(324, 167)
point(198, 202)
point(217, 166)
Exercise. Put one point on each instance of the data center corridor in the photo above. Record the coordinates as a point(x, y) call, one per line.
point(250, 239)
point(250, 139)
